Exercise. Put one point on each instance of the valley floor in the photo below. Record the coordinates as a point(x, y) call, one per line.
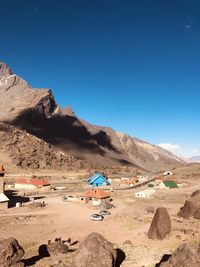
point(128, 221)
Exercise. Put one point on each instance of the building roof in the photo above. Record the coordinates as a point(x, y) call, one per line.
point(173, 178)
point(95, 177)
point(96, 193)
point(36, 182)
point(3, 198)
point(170, 184)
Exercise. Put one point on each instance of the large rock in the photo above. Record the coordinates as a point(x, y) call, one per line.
point(95, 251)
point(195, 193)
point(187, 210)
point(160, 225)
point(57, 247)
point(184, 256)
point(191, 207)
point(10, 253)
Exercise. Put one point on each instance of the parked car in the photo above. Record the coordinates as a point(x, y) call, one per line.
point(96, 217)
point(104, 212)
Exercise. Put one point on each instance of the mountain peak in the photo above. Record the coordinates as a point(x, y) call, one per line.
point(5, 69)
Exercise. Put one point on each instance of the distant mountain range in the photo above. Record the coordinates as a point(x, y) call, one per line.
point(194, 159)
point(36, 111)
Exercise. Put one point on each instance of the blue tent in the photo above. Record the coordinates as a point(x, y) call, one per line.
point(98, 180)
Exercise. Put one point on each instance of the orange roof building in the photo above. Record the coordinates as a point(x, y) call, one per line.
point(96, 193)
point(31, 183)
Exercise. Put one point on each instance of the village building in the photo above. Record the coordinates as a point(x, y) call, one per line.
point(130, 181)
point(98, 180)
point(31, 184)
point(3, 201)
point(168, 185)
point(97, 196)
point(76, 199)
point(145, 193)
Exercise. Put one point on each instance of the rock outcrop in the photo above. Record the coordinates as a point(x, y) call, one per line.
point(11, 253)
point(191, 207)
point(160, 225)
point(57, 247)
point(184, 256)
point(95, 251)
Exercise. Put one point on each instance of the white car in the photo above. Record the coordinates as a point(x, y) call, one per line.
point(104, 212)
point(96, 217)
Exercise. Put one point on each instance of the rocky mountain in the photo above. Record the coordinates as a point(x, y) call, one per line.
point(36, 111)
point(29, 152)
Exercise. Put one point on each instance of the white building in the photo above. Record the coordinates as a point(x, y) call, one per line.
point(3, 201)
point(145, 193)
point(162, 186)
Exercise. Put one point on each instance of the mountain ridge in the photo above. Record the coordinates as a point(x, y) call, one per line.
point(36, 111)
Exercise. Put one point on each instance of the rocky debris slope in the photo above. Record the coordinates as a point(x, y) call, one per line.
point(160, 225)
point(27, 151)
point(191, 207)
point(11, 253)
point(95, 251)
point(184, 256)
point(36, 111)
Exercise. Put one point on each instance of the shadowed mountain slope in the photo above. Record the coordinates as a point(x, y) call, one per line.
point(36, 111)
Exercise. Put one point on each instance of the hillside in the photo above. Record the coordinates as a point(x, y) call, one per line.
point(26, 151)
point(36, 111)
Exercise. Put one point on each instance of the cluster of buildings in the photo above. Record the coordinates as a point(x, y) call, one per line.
point(31, 184)
point(165, 181)
point(94, 194)
point(23, 184)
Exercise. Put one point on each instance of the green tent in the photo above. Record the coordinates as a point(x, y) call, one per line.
point(170, 184)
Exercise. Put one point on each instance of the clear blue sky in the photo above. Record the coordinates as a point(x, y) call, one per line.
point(132, 65)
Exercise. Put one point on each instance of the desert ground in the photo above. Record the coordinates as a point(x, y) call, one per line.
point(129, 220)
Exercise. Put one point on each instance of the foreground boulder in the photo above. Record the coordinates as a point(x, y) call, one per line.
point(188, 210)
point(95, 251)
point(10, 253)
point(160, 225)
point(184, 256)
point(57, 247)
point(191, 207)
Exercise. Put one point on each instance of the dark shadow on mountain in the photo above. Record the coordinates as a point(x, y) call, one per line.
point(165, 258)
point(63, 131)
point(126, 162)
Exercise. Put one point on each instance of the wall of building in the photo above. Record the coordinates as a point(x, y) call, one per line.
point(3, 205)
point(25, 186)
